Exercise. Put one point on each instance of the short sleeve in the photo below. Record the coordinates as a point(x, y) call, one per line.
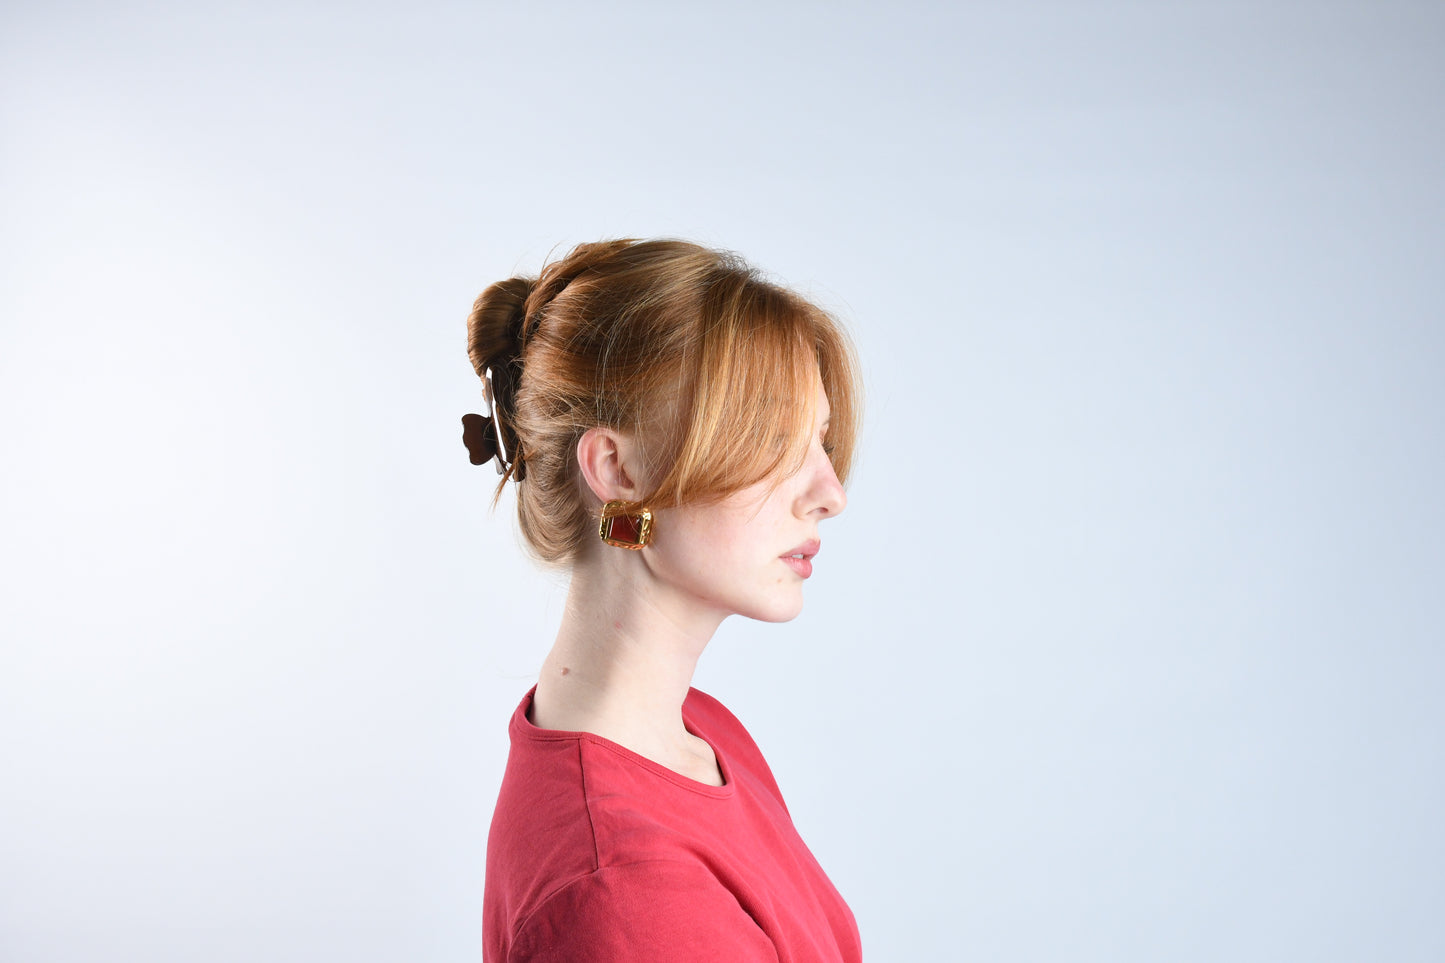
point(649, 912)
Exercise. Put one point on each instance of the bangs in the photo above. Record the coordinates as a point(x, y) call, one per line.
point(763, 351)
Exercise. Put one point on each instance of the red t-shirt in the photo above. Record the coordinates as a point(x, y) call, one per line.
point(599, 854)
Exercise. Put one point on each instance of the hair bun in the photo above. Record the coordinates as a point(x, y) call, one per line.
point(494, 345)
point(494, 328)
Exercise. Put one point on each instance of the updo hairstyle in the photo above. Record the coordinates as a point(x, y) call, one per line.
point(707, 365)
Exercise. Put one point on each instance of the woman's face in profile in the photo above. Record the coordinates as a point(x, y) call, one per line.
point(737, 556)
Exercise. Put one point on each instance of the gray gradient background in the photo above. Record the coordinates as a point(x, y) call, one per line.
point(1127, 648)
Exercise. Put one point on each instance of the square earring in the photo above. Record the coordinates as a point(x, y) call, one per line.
point(625, 528)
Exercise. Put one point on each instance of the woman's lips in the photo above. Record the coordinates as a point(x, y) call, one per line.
point(803, 566)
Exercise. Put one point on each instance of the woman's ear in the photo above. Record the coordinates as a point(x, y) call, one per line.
point(610, 462)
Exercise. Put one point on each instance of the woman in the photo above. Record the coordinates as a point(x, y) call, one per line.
point(677, 428)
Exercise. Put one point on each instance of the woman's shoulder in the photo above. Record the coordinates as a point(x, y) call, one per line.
point(574, 802)
point(661, 909)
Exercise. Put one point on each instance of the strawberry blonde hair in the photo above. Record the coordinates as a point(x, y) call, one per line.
point(709, 366)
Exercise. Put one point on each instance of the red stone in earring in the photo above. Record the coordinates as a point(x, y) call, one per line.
point(624, 525)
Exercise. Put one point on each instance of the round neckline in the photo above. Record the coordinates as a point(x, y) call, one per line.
point(525, 727)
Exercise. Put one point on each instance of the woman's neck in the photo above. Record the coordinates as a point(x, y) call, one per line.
point(623, 662)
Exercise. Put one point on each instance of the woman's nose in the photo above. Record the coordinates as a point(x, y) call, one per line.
point(825, 495)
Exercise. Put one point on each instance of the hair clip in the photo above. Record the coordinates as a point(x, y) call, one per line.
point(479, 434)
point(483, 435)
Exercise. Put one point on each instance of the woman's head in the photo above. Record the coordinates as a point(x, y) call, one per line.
point(711, 369)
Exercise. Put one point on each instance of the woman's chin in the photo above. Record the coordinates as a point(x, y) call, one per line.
point(778, 611)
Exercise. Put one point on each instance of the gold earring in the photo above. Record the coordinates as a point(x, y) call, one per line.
point(624, 525)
